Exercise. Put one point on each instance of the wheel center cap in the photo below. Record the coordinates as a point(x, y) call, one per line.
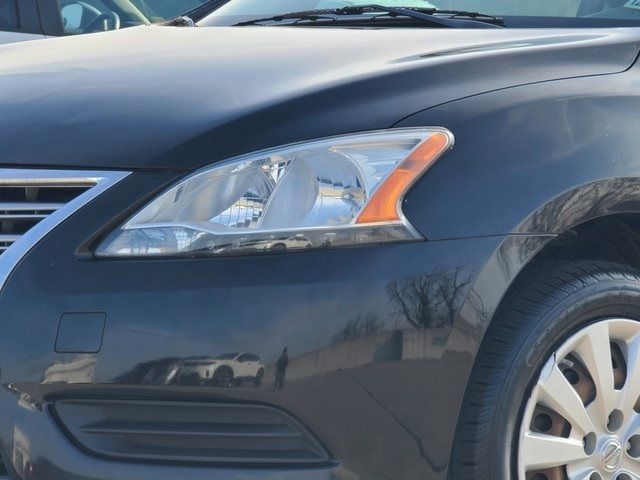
point(611, 455)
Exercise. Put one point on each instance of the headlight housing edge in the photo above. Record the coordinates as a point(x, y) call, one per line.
point(335, 191)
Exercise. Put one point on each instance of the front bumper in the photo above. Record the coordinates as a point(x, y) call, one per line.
point(379, 355)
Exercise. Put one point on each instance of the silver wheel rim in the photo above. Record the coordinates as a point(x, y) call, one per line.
point(582, 420)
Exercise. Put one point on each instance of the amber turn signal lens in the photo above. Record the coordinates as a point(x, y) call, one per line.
point(384, 205)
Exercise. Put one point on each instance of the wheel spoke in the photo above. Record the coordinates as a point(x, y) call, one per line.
point(631, 389)
point(633, 428)
point(583, 474)
point(557, 394)
point(541, 451)
point(594, 351)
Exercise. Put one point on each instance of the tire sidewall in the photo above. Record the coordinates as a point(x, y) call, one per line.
point(615, 298)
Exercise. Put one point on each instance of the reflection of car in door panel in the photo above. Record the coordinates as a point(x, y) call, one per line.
point(224, 370)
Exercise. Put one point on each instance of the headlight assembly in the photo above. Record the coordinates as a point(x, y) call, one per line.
point(344, 190)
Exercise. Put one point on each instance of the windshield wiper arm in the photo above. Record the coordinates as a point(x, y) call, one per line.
point(431, 16)
point(189, 18)
point(181, 21)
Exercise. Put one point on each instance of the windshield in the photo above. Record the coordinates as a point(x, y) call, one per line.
point(88, 16)
point(533, 13)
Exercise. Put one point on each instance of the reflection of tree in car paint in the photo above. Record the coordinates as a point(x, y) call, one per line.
point(360, 326)
point(426, 306)
point(429, 300)
point(425, 302)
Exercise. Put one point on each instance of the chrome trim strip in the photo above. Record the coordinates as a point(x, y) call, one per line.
point(54, 178)
point(27, 206)
point(101, 181)
point(9, 237)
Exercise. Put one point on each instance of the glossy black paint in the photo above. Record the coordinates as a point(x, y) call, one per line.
point(552, 175)
point(382, 339)
point(368, 399)
point(204, 94)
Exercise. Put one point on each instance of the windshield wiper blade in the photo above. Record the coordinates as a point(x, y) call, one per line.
point(430, 16)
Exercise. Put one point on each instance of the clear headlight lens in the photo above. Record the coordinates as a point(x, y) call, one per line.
point(337, 191)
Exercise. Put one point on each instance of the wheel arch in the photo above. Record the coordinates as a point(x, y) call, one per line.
point(595, 221)
point(598, 222)
point(224, 367)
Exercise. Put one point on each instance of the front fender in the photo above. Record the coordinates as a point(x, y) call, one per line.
point(535, 159)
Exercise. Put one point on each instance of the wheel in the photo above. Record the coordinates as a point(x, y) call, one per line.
point(223, 377)
point(555, 388)
point(190, 379)
point(258, 380)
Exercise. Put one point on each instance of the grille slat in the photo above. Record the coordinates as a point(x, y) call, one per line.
point(22, 216)
point(214, 430)
point(26, 202)
point(29, 206)
point(9, 238)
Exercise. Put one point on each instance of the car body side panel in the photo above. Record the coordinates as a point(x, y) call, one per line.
point(378, 384)
point(533, 159)
point(382, 338)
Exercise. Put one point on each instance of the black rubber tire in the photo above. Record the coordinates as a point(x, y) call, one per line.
point(223, 377)
point(542, 310)
point(258, 380)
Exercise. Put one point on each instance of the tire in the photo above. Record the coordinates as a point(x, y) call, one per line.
point(192, 379)
point(223, 377)
point(258, 380)
point(545, 310)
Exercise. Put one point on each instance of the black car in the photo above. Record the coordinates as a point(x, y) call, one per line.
point(417, 229)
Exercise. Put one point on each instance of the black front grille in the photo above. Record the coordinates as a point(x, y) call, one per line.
point(24, 203)
point(192, 432)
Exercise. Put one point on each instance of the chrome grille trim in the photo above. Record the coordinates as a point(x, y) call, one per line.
point(15, 247)
point(7, 240)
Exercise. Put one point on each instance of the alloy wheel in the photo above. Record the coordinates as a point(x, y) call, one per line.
point(582, 421)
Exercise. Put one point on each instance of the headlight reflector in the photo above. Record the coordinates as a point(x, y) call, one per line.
point(335, 191)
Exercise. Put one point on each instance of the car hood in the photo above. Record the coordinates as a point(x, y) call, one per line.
point(179, 98)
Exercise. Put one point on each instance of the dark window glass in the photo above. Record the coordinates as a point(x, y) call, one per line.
point(226, 356)
point(8, 14)
point(159, 10)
